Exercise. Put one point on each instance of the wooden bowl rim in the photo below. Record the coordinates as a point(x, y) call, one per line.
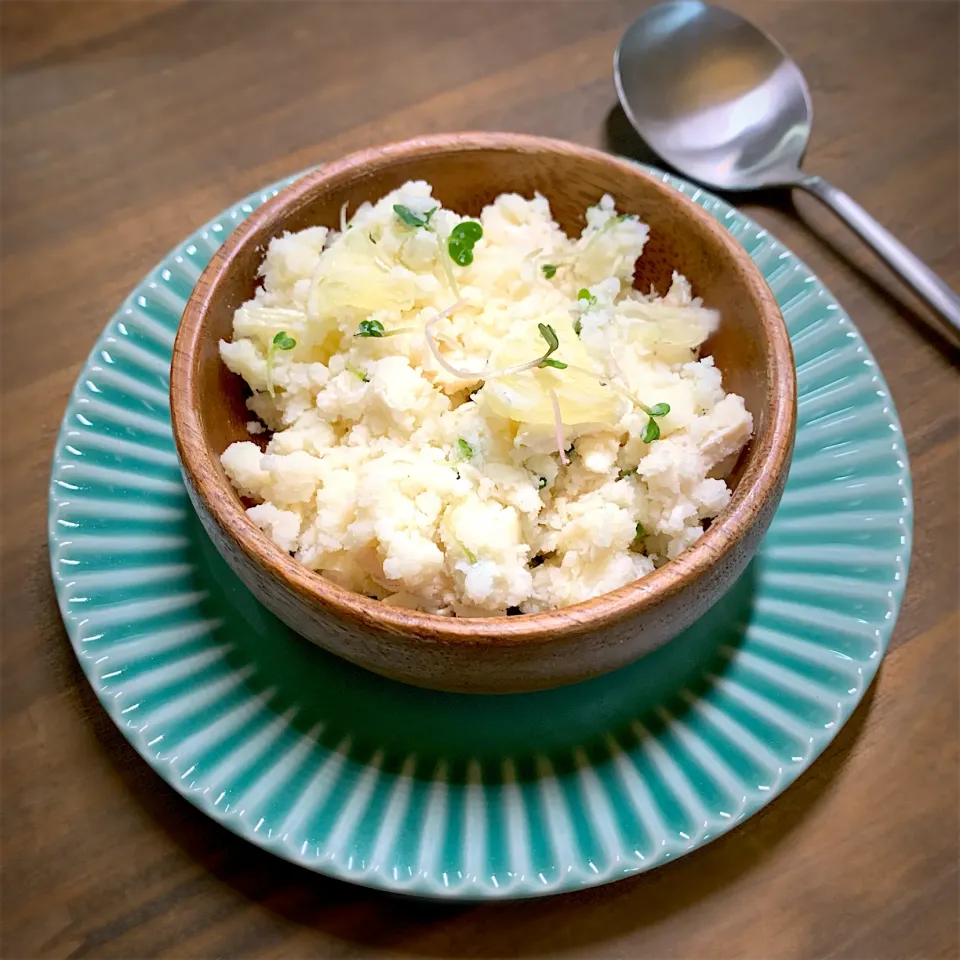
point(766, 461)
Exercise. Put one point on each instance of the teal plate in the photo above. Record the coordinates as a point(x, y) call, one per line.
point(445, 795)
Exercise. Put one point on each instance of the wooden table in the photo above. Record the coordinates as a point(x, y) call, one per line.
point(125, 125)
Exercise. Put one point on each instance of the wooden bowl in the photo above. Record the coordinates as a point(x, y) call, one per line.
point(495, 654)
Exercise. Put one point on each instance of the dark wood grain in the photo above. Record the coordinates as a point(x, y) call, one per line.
point(124, 126)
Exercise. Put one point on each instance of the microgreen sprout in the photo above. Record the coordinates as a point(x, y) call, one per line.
point(553, 344)
point(546, 331)
point(549, 270)
point(640, 531)
point(374, 328)
point(369, 328)
point(587, 296)
point(468, 553)
point(412, 219)
point(282, 341)
point(651, 431)
point(577, 327)
point(550, 335)
point(461, 242)
point(356, 371)
point(465, 450)
point(542, 483)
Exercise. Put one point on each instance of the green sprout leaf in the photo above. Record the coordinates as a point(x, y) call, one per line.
point(460, 254)
point(640, 531)
point(577, 327)
point(550, 335)
point(549, 270)
point(461, 242)
point(466, 451)
point(281, 341)
point(412, 219)
point(651, 431)
point(542, 483)
point(659, 410)
point(468, 230)
point(586, 295)
point(369, 328)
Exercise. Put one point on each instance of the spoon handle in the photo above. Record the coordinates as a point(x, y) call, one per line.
point(913, 271)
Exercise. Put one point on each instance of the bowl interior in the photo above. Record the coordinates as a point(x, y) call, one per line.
point(467, 180)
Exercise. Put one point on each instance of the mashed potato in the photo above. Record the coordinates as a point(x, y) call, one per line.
point(477, 419)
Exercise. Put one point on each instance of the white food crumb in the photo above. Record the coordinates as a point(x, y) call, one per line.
point(393, 477)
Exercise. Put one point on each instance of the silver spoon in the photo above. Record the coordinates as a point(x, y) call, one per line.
point(722, 103)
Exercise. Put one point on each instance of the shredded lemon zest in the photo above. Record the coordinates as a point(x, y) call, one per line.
point(485, 374)
point(435, 350)
point(606, 381)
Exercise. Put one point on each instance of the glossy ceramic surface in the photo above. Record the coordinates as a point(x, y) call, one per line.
point(442, 795)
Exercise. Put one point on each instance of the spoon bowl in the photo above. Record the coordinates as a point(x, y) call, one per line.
point(714, 96)
point(723, 104)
